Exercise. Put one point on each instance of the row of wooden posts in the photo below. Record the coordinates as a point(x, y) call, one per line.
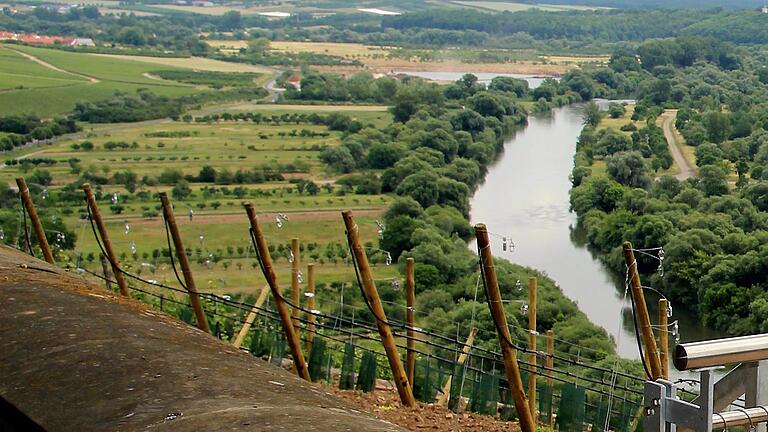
point(403, 377)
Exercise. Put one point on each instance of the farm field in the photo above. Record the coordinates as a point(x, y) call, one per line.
point(106, 76)
point(384, 59)
point(58, 79)
point(501, 6)
point(217, 210)
point(230, 145)
point(198, 63)
point(225, 235)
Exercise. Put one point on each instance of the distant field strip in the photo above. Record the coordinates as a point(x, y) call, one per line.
point(198, 63)
point(329, 48)
point(497, 6)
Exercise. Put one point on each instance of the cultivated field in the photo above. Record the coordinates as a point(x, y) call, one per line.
point(218, 214)
point(90, 78)
point(330, 48)
point(48, 82)
point(499, 6)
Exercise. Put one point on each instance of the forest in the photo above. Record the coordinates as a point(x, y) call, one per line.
point(712, 226)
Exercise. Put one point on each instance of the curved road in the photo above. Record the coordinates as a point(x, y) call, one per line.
point(686, 171)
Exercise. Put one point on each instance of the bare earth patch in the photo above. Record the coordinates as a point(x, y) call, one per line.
point(385, 405)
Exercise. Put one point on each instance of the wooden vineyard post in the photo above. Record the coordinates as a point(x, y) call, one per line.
point(664, 338)
point(446, 394)
point(295, 282)
point(641, 308)
point(310, 306)
point(105, 270)
point(33, 217)
point(497, 313)
point(181, 254)
point(532, 357)
point(372, 297)
point(550, 365)
point(106, 242)
point(410, 318)
point(285, 316)
point(251, 317)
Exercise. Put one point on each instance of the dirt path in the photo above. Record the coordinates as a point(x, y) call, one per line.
point(686, 171)
point(52, 67)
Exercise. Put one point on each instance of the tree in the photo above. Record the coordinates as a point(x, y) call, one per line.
point(616, 110)
point(468, 120)
point(611, 141)
point(718, 126)
point(509, 85)
point(592, 114)
point(258, 45)
point(628, 168)
point(338, 158)
point(422, 187)
point(397, 235)
point(384, 155)
point(181, 190)
point(713, 180)
point(231, 20)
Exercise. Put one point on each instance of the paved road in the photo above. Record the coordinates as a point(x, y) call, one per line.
point(686, 170)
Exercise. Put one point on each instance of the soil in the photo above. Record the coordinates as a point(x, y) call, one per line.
point(74, 357)
point(385, 405)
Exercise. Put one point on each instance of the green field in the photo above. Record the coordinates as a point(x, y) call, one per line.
point(224, 145)
point(232, 145)
point(47, 92)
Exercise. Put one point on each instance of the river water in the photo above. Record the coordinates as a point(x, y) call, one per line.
point(525, 198)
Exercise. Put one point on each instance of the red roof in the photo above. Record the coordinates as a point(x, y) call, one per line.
point(43, 40)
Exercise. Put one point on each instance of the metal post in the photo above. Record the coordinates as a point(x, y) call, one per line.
point(181, 254)
point(664, 338)
point(251, 317)
point(295, 282)
point(372, 297)
point(410, 318)
point(106, 242)
point(497, 312)
point(550, 366)
point(310, 306)
point(282, 308)
point(532, 357)
point(36, 224)
point(641, 308)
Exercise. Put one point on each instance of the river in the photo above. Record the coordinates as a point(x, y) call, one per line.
point(525, 198)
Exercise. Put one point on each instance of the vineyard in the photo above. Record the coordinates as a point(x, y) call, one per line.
point(351, 334)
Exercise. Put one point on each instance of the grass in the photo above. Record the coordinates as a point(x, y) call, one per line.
point(311, 218)
point(51, 92)
point(220, 231)
point(108, 76)
point(222, 145)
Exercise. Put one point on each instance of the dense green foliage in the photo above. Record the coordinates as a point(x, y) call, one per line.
point(146, 105)
point(209, 78)
point(713, 227)
point(20, 130)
